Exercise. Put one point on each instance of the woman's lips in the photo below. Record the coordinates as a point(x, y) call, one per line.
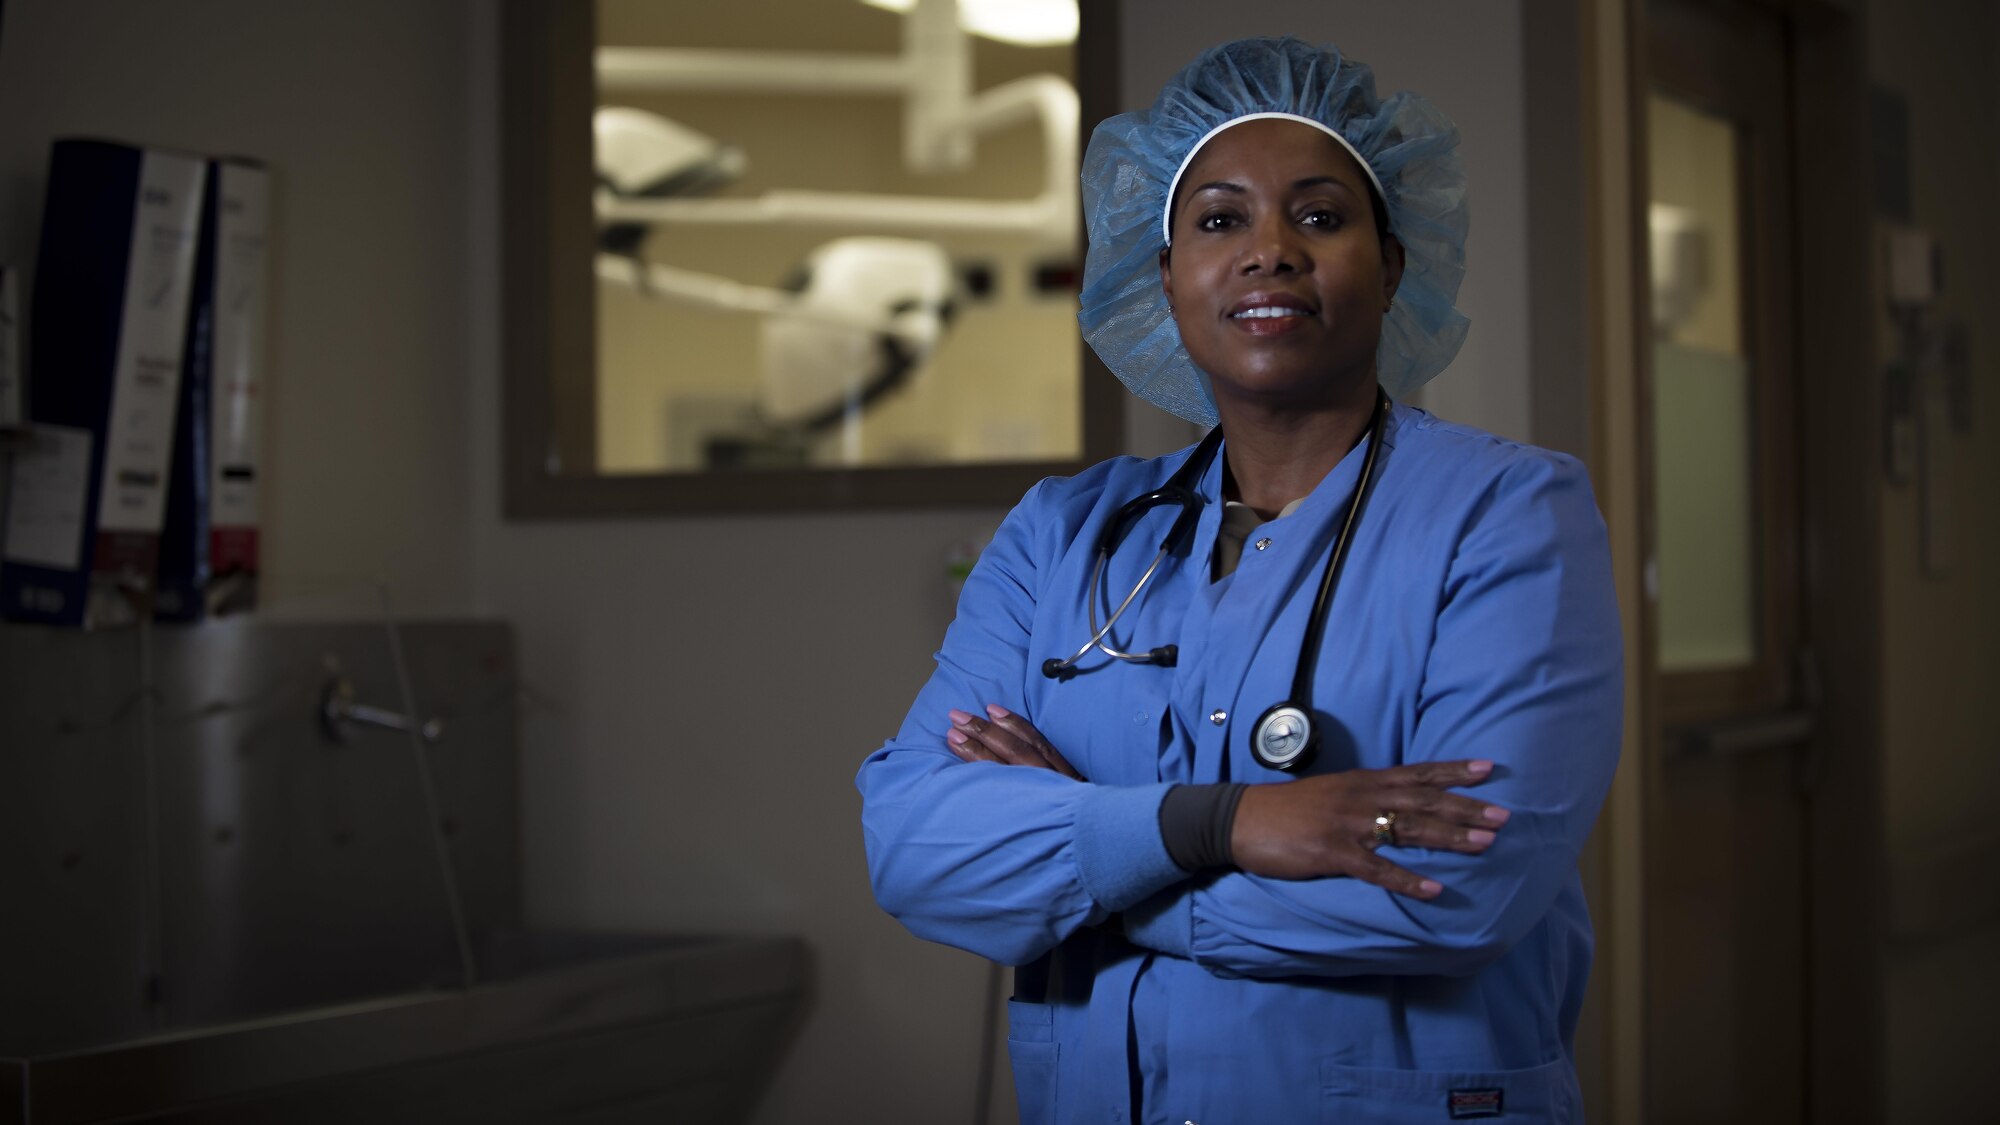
point(1268, 318)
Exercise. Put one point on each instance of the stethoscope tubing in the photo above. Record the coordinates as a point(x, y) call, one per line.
point(1329, 581)
point(1096, 640)
point(1178, 490)
point(1284, 736)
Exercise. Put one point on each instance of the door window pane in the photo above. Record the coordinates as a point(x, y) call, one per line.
point(1704, 462)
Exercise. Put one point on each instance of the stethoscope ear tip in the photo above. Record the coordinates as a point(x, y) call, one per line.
point(1058, 670)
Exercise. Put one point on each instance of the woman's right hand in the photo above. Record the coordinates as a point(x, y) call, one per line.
point(1325, 825)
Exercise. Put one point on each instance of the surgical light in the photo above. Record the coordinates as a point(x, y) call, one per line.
point(1025, 23)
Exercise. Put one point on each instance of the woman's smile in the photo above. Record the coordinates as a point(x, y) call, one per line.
point(1271, 314)
point(1276, 235)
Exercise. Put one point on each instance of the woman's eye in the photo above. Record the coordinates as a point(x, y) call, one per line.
point(1215, 220)
point(1320, 217)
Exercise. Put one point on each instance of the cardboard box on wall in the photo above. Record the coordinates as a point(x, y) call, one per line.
point(208, 552)
point(13, 372)
point(108, 323)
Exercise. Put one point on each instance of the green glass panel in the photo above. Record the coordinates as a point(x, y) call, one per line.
point(1703, 401)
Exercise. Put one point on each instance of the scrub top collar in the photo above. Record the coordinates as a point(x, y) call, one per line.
point(1342, 476)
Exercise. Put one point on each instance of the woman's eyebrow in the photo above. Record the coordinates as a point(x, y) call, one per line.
point(1316, 181)
point(1218, 185)
point(1297, 185)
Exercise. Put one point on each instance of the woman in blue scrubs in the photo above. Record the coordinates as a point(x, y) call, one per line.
point(1221, 920)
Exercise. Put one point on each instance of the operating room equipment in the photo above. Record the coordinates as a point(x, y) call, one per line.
point(1025, 23)
point(867, 314)
point(861, 318)
point(1285, 735)
point(643, 155)
point(876, 281)
point(943, 119)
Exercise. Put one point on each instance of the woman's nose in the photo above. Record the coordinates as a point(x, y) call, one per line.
point(1273, 247)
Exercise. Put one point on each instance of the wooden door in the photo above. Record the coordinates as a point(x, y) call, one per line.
point(1728, 815)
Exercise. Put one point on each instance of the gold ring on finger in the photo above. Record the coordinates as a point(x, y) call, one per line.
point(1385, 829)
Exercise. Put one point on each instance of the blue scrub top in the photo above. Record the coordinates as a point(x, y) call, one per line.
point(1475, 618)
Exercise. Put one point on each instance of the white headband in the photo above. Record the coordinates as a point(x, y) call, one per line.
point(1167, 214)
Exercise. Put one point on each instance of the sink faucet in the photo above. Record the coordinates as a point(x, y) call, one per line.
point(337, 709)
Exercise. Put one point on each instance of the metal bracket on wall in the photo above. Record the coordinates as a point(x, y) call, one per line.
point(337, 709)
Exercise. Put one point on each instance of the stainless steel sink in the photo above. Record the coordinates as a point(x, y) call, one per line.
point(564, 1027)
point(218, 905)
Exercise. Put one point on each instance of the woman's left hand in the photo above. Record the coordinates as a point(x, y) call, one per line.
point(1006, 738)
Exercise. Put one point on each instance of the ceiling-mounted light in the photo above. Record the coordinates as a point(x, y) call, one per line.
point(1027, 23)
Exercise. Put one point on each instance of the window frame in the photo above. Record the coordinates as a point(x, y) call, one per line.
point(549, 360)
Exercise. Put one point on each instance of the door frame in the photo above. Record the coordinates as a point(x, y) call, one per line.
point(1838, 435)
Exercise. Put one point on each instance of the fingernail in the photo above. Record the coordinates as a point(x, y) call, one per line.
point(1496, 814)
point(1480, 768)
point(995, 710)
point(955, 737)
point(1430, 886)
point(1479, 836)
point(959, 717)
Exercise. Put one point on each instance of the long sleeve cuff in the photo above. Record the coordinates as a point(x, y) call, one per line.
point(1163, 923)
point(1120, 857)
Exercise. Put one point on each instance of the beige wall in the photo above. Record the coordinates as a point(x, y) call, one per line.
point(359, 107)
point(1941, 663)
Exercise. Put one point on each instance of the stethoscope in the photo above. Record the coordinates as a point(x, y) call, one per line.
point(1284, 736)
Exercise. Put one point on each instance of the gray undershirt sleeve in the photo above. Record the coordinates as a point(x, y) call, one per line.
point(1195, 821)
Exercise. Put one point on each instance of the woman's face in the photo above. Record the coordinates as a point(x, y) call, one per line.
point(1276, 275)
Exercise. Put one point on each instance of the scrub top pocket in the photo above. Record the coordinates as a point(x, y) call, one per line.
point(1354, 1095)
point(1032, 1048)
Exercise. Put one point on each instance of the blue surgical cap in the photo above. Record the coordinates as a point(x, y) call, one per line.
point(1408, 148)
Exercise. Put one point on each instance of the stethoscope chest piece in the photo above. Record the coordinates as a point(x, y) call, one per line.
point(1283, 737)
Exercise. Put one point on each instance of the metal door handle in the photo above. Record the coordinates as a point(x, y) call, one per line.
point(1754, 734)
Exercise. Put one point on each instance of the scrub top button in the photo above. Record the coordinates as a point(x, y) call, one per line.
point(1263, 543)
point(1218, 717)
